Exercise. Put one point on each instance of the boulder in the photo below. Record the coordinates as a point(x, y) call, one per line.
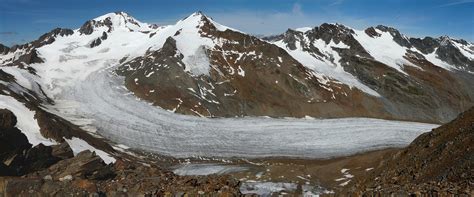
point(85, 165)
point(40, 157)
point(62, 151)
point(7, 119)
point(31, 160)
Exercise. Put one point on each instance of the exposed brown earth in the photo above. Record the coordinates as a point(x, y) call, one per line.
point(325, 173)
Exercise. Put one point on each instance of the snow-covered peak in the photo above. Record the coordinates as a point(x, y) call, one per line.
point(444, 40)
point(114, 15)
point(114, 21)
point(303, 29)
point(198, 19)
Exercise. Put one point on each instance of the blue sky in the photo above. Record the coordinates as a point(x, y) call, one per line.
point(25, 20)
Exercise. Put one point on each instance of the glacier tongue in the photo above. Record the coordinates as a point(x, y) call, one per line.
point(121, 117)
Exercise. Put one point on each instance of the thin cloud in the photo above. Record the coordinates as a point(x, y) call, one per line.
point(336, 2)
point(8, 33)
point(297, 9)
point(456, 3)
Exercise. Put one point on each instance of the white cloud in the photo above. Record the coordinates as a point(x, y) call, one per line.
point(459, 2)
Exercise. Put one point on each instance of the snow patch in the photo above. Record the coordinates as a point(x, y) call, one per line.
point(323, 68)
point(265, 188)
point(206, 169)
point(78, 145)
point(25, 121)
point(303, 29)
point(384, 49)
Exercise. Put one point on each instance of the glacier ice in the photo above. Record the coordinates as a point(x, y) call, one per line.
point(121, 117)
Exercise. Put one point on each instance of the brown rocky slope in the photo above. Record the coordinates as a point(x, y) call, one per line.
point(440, 162)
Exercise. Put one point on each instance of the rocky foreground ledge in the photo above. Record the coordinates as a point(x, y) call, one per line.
point(55, 171)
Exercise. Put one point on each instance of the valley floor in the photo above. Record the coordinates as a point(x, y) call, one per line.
point(291, 176)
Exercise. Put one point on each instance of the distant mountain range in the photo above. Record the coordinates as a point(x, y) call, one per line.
point(199, 67)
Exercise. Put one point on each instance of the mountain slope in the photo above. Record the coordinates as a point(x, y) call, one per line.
point(411, 84)
point(440, 161)
point(206, 69)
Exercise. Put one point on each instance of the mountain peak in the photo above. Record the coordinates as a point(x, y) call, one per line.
point(112, 21)
point(444, 40)
point(198, 18)
point(398, 37)
point(113, 15)
point(335, 28)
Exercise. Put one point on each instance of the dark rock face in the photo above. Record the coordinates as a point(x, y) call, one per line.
point(7, 119)
point(328, 32)
point(15, 151)
point(49, 38)
point(104, 36)
point(426, 45)
point(445, 50)
point(338, 33)
point(30, 54)
point(371, 32)
point(4, 49)
point(95, 43)
point(16, 154)
point(450, 54)
point(88, 27)
point(291, 38)
point(31, 160)
point(99, 40)
point(39, 157)
point(397, 36)
point(12, 141)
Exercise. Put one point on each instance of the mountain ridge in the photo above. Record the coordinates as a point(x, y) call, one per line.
point(334, 57)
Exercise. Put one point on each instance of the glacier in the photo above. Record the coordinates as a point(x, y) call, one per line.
point(102, 104)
